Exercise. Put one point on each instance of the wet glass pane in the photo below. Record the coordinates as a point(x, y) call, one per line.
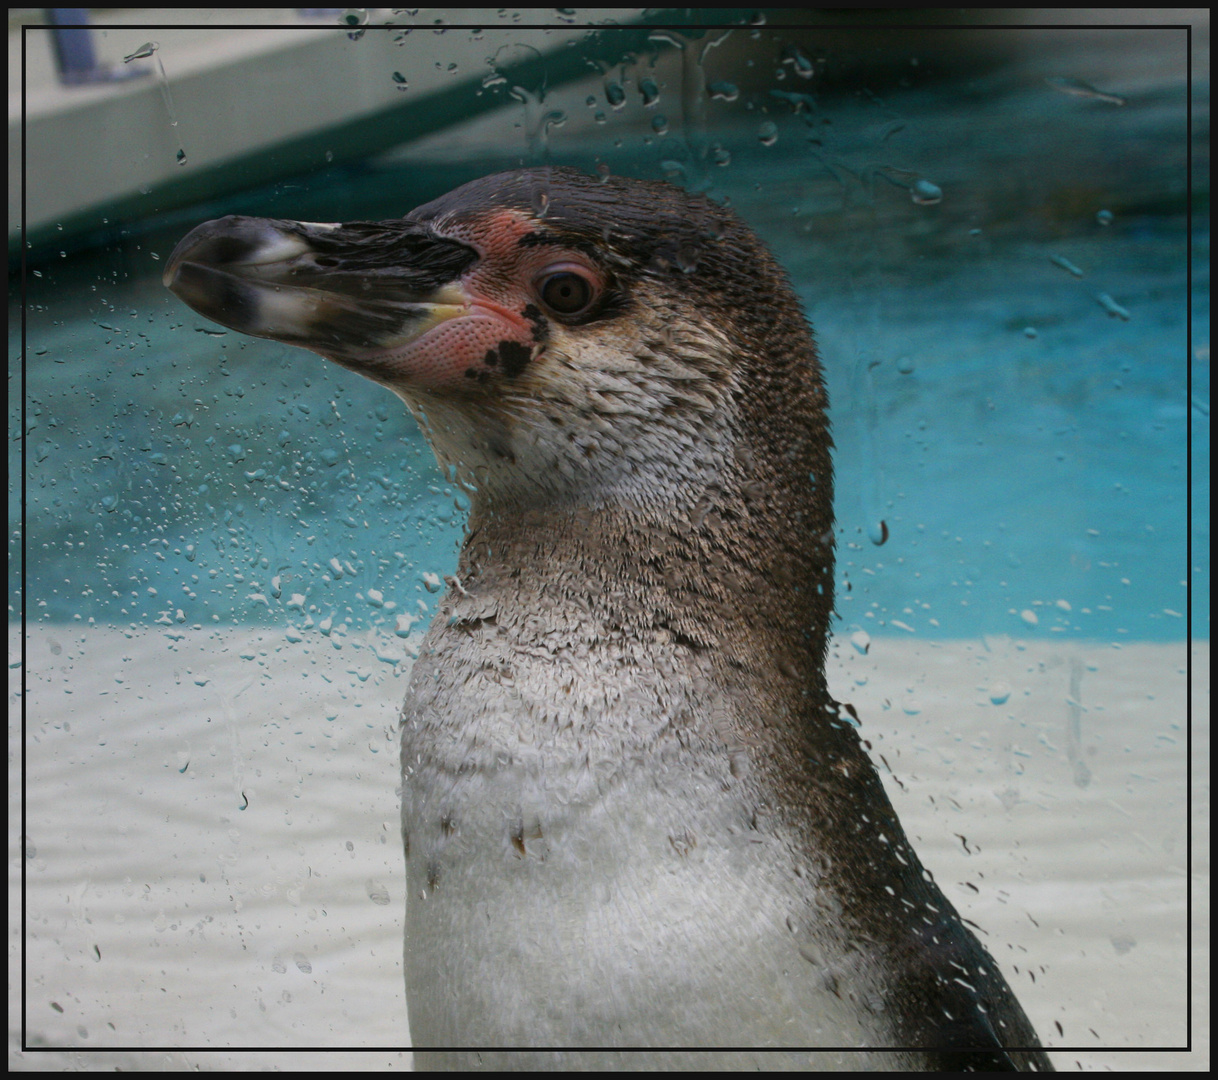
point(232, 548)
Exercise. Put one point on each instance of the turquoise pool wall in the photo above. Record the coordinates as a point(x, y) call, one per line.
point(1008, 368)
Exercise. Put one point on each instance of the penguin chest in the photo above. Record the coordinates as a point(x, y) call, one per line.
point(586, 870)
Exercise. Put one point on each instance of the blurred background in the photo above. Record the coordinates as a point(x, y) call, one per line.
point(987, 216)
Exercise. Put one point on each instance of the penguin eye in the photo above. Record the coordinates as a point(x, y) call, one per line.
point(566, 292)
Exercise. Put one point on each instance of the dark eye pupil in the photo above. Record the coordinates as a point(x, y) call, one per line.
point(566, 293)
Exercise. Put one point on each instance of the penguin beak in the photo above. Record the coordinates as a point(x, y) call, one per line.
point(345, 291)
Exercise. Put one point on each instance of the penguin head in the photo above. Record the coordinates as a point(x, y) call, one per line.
point(559, 337)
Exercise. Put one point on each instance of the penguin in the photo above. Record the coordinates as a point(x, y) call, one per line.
point(639, 830)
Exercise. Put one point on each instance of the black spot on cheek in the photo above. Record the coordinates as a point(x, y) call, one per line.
point(515, 357)
point(491, 358)
point(534, 315)
point(474, 373)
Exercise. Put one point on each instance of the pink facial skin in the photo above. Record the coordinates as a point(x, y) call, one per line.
point(503, 326)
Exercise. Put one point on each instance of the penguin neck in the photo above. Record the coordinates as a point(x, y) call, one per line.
point(744, 573)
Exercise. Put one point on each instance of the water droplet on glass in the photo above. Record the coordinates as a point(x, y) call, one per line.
point(905, 365)
point(924, 193)
point(355, 17)
point(687, 258)
point(1000, 693)
point(1112, 307)
point(1029, 331)
point(649, 90)
point(877, 533)
point(890, 129)
point(1078, 88)
point(615, 95)
point(861, 640)
point(602, 172)
point(798, 102)
point(1065, 264)
point(768, 133)
point(803, 66)
point(181, 156)
point(145, 50)
point(400, 79)
point(719, 155)
point(432, 582)
point(721, 90)
point(659, 124)
point(1104, 217)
